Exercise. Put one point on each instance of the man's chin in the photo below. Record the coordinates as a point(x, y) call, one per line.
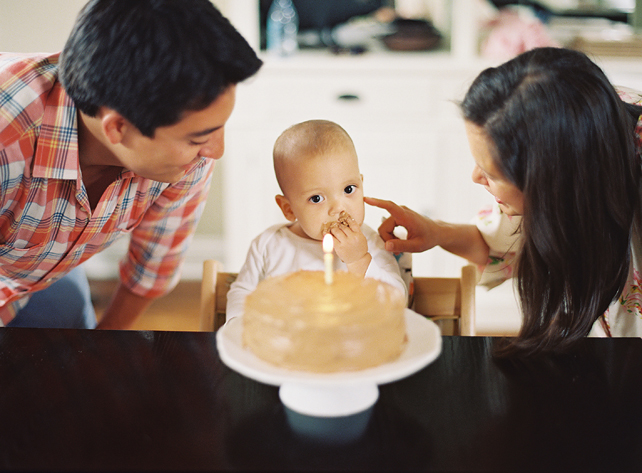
point(168, 178)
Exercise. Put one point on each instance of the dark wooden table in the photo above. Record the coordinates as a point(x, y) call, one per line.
point(160, 401)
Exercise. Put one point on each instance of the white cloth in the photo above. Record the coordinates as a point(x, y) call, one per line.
point(279, 251)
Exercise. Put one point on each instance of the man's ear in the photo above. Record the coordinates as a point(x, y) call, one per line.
point(286, 208)
point(114, 125)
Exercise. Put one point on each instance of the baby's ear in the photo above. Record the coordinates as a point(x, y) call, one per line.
point(286, 208)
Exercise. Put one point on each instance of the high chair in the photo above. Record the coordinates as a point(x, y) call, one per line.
point(447, 301)
point(443, 300)
point(214, 287)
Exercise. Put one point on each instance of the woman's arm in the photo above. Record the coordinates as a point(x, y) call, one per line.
point(424, 233)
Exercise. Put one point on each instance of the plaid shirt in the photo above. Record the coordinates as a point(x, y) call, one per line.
point(46, 224)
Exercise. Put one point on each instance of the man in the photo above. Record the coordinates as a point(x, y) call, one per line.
point(115, 136)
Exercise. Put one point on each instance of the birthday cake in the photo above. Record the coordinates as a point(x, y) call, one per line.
point(297, 321)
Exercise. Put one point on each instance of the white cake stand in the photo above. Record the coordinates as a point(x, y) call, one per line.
point(332, 394)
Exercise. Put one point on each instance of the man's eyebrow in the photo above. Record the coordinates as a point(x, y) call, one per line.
point(203, 132)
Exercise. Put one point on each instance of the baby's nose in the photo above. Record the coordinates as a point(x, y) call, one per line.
point(336, 208)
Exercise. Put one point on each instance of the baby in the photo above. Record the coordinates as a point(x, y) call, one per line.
point(317, 170)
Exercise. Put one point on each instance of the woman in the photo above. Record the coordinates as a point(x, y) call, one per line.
point(559, 149)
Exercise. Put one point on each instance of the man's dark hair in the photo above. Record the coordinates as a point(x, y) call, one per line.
point(152, 60)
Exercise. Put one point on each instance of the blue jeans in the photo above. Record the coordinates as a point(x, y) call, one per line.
point(64, 304)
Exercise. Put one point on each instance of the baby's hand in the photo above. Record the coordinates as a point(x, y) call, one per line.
point(351, 246)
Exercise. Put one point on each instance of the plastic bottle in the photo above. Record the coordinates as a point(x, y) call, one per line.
point(282, 28)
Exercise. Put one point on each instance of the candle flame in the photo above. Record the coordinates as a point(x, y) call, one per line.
point(328, 243)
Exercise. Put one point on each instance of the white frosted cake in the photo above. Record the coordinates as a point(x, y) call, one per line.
point(297, 321)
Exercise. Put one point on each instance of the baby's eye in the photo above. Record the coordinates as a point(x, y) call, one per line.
point(350, 189)
point(315, 199)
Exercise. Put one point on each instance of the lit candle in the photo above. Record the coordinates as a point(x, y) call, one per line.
point(328, 246)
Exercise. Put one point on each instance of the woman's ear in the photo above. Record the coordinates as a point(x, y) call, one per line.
point(286, 208)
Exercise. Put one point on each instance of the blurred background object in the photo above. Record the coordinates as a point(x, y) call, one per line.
point(317, 18)
point(599, 27)
point(412, 35)
point(357, 26)
point(282, 28)
point(513, 30)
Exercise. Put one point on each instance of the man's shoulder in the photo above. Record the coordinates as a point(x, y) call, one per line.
point(26, 81)
point(28, 69)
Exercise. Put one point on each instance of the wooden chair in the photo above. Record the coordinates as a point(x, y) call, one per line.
point(440, 299)
point(214, 287)
point(450, 302)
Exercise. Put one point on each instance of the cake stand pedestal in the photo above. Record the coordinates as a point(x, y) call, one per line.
point(332, 394)
point(330, 400)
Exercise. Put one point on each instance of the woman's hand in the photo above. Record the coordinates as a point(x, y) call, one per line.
point(420, 228)
point(424, 233)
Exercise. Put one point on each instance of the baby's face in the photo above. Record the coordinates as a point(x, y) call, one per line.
point(320, 188)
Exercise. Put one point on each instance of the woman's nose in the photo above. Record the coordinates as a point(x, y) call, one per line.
point(478, 176)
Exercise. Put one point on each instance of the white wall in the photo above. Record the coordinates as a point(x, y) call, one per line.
point(43, 25)
point(36, 25)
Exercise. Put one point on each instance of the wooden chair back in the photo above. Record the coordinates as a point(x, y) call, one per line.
point(214, 287)
point(440, 299)
point(450, 300)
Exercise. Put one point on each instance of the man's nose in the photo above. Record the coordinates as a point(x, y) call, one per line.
point(214, 147)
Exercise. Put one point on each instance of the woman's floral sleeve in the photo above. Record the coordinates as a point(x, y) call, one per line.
point(501, 233)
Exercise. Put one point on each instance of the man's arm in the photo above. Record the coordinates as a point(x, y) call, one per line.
point(123, 310)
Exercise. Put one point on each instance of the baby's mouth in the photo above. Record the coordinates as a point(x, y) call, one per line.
point(342, 221)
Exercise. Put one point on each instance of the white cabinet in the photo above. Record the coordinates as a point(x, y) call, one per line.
point(623, 72)
point(401, 113)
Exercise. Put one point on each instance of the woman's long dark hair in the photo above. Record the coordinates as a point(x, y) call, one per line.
point(566, 140)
